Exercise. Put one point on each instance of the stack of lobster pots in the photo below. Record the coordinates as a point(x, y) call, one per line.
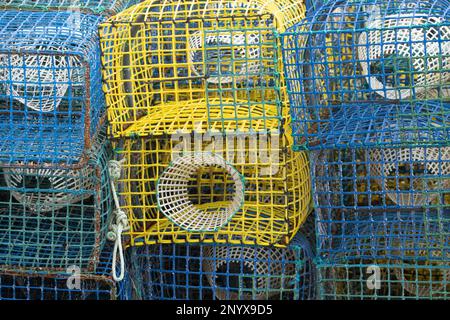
point(55, 186)
point(212, 196)
point(369, 85)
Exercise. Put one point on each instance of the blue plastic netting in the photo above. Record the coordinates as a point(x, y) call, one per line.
point(51, 102)
point(206, 272)
point(370, 72)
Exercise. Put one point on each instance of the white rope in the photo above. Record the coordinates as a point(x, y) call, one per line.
point(121, 225)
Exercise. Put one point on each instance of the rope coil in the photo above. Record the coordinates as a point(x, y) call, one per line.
point(121, 221)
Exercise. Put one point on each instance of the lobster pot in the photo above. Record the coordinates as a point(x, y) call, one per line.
point(360, 71)
point(67, 285)
point(55, 217)
point(159, 53)
point(398, 254)
point(99, 7)
point(51, 103)
point(222, 272)
point(237, 189)
point(381, 178)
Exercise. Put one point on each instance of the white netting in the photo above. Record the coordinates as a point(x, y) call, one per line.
point(402, 53)
point(40, 80)
point(250, 273)
point(427, 279)
point(173, 193)
point(441, 93)
point(234, 54)
point(409, 176)
point(43, 190)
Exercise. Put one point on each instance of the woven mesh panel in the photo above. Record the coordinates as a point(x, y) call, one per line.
point(54, 217)
point(210, 272)
point(409, 248)
point(380, 179)
point(158, 54)
point(370, 73)
point(98, 285)
point(51, 104)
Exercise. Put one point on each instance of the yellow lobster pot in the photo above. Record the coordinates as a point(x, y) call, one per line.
point(194, 91)
point(210, 187)
point(162, 52)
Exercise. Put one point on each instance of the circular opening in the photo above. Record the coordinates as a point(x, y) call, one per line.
point(211, 187)
point(45, 189)
point(242, 272)
point(200, 192)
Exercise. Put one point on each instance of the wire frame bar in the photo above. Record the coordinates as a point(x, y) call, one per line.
point(277, 185)
point(222, 272)
point(52, 218)
point(226, 115)
point(51, 103)
point(370, 72)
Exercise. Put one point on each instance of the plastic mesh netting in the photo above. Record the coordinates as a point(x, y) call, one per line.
point(259, 170)
point(223, 272)
point(51, 103)
point(225, 52)
point(377, 178)
point(52, 217)
point(400, 254)
point(370, 72)
point(173, 192)
point(21, 285)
